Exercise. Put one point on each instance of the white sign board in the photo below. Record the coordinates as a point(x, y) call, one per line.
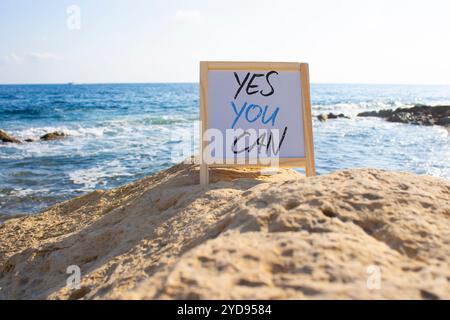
point(261, 110)
point(258, 99)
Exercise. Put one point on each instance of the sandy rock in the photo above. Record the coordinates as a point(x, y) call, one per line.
point(5, 137)
point(247, 236)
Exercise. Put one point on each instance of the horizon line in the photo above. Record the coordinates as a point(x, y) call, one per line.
point(196, 82)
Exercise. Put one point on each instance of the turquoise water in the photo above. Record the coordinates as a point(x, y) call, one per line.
point(121, 132)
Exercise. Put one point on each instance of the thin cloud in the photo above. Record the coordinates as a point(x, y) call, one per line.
point(14, 58)
point(189, 16)
point(43, 56)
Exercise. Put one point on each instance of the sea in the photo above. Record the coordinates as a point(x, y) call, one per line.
point(119, 133)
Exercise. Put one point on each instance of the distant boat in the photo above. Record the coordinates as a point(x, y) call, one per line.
point(70, 83)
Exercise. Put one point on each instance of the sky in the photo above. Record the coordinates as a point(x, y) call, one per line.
point(108, 41)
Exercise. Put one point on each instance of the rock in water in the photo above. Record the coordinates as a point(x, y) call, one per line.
point(379, 114)
point(419, 114)
point(336, 116)
point(5, 137)
point(53, 136)
point(444, 121)
point(351, 234)
point(324, 117)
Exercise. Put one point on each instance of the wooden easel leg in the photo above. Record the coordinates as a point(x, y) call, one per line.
point(204, 174)
point(310, 168)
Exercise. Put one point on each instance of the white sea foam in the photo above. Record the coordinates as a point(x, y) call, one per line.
point(76, 131)
point(19, 192)
point(92, 177)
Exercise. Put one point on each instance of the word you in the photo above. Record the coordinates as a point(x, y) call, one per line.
point(253, 112)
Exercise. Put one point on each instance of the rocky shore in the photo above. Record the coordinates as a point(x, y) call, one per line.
point(419, 115)
point(7, 138)
point(352, 234)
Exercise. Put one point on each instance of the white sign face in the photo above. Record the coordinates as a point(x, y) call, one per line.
point(266, 101)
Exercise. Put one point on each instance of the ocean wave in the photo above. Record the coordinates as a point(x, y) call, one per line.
point(79, 131)
point(99, 129)
point(360, 106)
point(8, 96)
point(154, 120)
point(31, 111)
point(90, 178)
point(25, 192)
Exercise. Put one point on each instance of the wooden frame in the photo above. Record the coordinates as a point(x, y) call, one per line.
point(308, 161)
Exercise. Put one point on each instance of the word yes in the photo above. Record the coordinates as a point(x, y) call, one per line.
point(251, 87)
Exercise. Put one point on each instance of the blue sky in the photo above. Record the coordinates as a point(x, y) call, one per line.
point(349, 41)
